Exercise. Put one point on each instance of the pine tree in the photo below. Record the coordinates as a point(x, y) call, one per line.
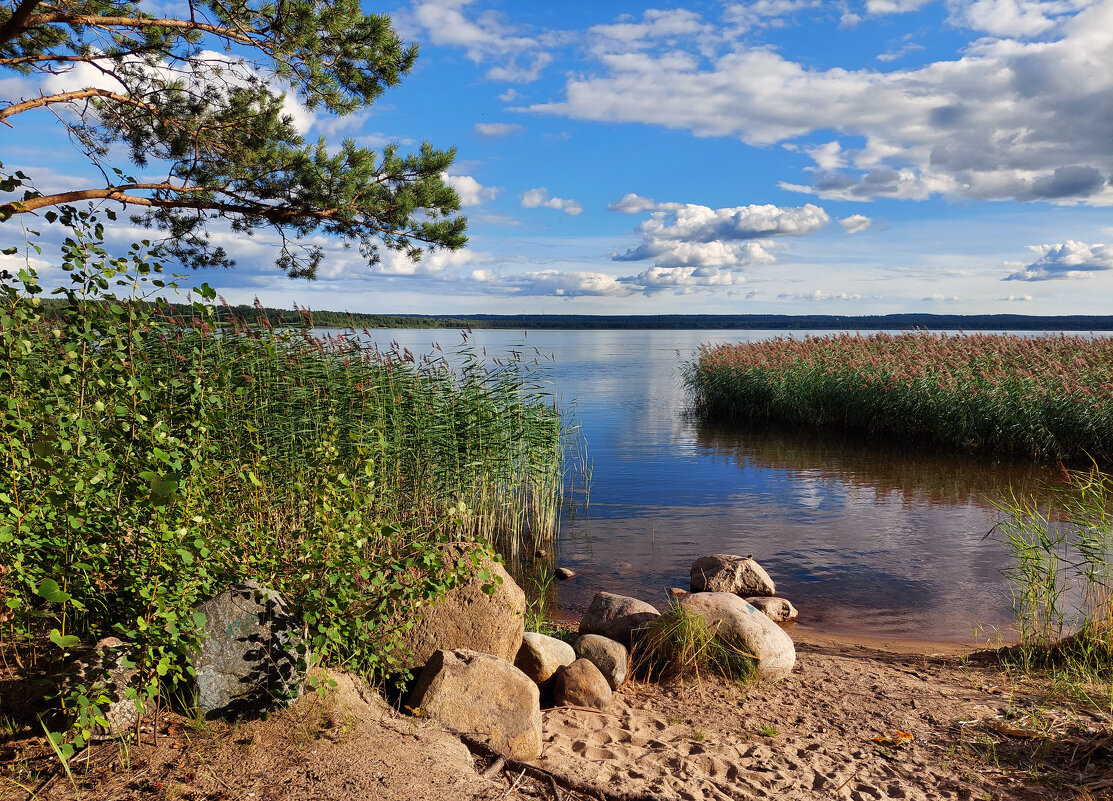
point(200, 97)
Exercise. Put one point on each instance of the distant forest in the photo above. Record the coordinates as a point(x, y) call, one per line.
point(770, 322)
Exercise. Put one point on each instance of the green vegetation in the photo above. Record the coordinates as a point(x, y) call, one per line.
point(679, 643)
point(200, 99)
point(1062, 578)
point(148, 460)
point(1047, 397)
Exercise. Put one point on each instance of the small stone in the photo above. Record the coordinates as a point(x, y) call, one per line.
point(779, 610)
point(609, 656)
point(564, 573)
point(541, 656)
point(724, 572)
point(582, 684)
point(541, 553)
point(676, 592)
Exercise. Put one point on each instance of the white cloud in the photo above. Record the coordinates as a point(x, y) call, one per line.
point(937, 297)
point(571, 284)
point(1008, 119)
point(471, 192)
point(539, 197)
point(1022, 18)
point(1066, 260)
point(498, 128)
point(510, 95)
point(899, 53)
point(633, 203)
point(1015, 298)
point(818, 295)
point(855, 223)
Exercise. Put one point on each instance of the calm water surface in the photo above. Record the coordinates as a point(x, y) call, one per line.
point(880, 540)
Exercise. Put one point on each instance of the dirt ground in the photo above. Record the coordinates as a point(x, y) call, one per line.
point(855, 720)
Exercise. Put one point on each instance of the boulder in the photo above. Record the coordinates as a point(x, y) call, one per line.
point(103, 669)
point(737, 623)
point(467, 617)
point(607, 655)
point(616, 616)
point(251, 658)
point(540, 656)
point(779, 610)
point(724, 572)
point(581, 684)
point(483, 696)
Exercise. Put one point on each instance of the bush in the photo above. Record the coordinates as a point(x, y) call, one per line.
point(149, 460)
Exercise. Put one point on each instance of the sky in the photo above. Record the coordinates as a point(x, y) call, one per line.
point(777, 156)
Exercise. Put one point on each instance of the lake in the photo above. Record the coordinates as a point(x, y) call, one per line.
point(880, 540)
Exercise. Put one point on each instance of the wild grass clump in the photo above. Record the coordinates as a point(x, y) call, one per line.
point(1061, 573)
point(148, 460)
point(679, 644)
point(1048, 397)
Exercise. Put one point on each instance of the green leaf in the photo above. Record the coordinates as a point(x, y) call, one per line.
point(50, 590)
point(68, 641)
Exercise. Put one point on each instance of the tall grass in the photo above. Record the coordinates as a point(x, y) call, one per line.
point(1061, 574)
point(1048, 397)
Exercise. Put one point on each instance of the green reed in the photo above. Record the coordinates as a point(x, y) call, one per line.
point(1048, 397)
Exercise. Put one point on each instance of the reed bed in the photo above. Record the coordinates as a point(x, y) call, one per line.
point(1048, 397)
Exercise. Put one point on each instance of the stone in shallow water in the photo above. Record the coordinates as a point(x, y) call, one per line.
point(779, 610)
point(724, 572)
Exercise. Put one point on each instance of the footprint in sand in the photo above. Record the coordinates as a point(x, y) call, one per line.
point(588, 751)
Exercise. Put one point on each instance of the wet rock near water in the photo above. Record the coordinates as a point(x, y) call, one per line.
point(616, 616)
point(251, 657)
point(724, 572)
point(779, 610)
point(581, 684)
point(564, 573)
point(483, 696)
point(606, 654)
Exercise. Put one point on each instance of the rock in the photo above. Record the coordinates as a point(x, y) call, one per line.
point(103, 669)
point(741, 625)
point(676, 592)
point(251, 658)
point(581, 684)
point(541, 553)
point(564, 573)
point(724, 572)
point(467, 617)
point(484, 696)
point(779, 610)
point(607, 655)
point(615, 616)
point(540, 656)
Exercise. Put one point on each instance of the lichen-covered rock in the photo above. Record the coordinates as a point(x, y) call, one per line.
point(581, 684)
point(251, 658)
point(483, 696)
point(779, 610)
point(616, 616)
point(724, 572)
point(540, 656)
point(737, 623)
point(467, 617)
point(606, 654)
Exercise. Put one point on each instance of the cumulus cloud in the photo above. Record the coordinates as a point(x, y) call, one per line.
point(938, 297)
point(471, 192)
point(1008, 119)
point(1015, 298)
point(571, 284)
point(1069, 259)
point(498, 128)
point(539, 197)
point(855, 223)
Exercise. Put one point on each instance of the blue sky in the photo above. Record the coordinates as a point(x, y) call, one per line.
point(778, 156)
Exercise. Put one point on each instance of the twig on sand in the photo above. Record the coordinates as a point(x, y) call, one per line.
point(541, 774)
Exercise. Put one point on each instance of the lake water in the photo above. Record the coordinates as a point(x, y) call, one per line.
point(881, 540)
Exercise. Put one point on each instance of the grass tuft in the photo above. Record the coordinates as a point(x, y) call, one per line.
point(679, 644)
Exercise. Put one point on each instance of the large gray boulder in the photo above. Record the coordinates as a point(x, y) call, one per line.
point(484, 696)
point(724, 572)
point(540, 656)
point(616, 616)
point(606, 654)
point(779, 610)
point(252, 658)
point(738, 624)
point(467, 617)
point(581, 684)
